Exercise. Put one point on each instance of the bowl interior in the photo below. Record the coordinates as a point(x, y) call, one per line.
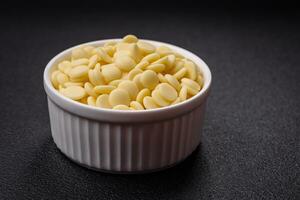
point(118, 115)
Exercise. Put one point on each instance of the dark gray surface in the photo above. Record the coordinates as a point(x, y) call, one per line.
point(251, 132)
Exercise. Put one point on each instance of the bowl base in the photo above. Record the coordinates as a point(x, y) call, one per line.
point(147, 171)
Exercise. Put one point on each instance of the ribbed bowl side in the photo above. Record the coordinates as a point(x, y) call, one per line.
point(126, 147)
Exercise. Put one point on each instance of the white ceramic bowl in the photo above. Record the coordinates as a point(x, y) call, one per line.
point(126, 141)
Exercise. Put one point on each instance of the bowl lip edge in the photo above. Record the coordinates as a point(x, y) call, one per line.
point(52, 93)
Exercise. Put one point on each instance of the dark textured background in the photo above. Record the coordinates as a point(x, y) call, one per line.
point(251, 133)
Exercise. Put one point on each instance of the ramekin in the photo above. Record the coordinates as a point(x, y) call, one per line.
point(120, 141)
